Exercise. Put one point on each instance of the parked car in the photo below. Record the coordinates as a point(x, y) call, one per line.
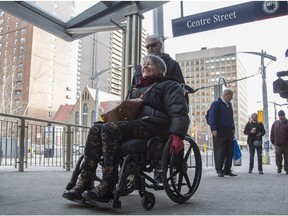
point(37, 148)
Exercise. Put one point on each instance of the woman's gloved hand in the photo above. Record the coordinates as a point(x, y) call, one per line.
point(176, 143)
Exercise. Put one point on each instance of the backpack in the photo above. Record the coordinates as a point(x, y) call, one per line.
point(207, 116)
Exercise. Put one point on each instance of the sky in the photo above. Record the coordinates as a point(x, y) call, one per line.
point(270, 35)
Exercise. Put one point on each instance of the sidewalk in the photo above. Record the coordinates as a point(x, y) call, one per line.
point(37, 191)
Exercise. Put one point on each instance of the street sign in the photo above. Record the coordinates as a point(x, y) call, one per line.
point(228, 16)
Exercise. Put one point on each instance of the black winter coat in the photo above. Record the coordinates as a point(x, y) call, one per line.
point(164, 101)
point(260, 130)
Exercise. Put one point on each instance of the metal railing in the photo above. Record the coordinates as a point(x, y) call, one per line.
point(26, 141)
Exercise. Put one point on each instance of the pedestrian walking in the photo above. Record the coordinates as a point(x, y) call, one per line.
point(279, 139)
point(255, 131)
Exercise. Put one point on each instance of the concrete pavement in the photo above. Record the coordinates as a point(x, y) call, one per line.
point(37, 191)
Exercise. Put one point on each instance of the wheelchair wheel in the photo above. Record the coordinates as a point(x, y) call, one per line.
point(148, 200)
point(129, 185)
point(181, 173)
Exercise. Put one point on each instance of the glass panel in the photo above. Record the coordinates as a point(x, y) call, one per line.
point(63, 10)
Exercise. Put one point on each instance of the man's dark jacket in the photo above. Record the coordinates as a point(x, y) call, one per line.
point(279, 132)
point(221, 116)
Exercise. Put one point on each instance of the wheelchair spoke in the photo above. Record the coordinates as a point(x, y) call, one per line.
point(180, 180)
point(187, 154)
point(182, 172)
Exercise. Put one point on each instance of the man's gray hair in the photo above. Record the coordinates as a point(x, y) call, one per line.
point(227, 91)
point(155, 37)
point(157, 61)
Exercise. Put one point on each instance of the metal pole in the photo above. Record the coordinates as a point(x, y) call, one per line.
point(97, 97)
point(275, 112)
point(21, 146)
point(265, 110)
point(69, 162)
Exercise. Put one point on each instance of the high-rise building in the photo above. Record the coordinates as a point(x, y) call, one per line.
point(202, 70)
point(48, 71)
point(38, 70)
point(104, 51)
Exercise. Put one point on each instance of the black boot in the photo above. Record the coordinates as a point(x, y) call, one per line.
point(101, 193)
point(75, 193)
point(104, 191)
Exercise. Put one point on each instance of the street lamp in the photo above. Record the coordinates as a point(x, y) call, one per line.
point(264, 55)
point(95, 77)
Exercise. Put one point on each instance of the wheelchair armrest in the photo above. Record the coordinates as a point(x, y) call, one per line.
point(155, 120)
point(154, 149)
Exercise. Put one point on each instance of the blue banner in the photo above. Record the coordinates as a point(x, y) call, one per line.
point(228, 16)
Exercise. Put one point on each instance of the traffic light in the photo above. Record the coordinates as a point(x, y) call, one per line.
point(260, 116)
point(281, 86)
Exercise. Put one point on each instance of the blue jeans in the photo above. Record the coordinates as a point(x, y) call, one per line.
point(252, 149)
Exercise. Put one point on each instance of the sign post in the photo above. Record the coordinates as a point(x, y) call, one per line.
point(228, 16)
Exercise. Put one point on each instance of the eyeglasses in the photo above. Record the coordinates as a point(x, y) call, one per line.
point(151, 45)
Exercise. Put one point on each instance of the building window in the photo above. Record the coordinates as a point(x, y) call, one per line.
point(21, 58)
point(49, 114)
point(85, 114)
point(77, 118)
point(18, 93)
point(18, 85)
point(93, 114)
point(23, 31)
point(19, 75)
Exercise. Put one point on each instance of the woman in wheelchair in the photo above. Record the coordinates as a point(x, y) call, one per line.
point(166, 100)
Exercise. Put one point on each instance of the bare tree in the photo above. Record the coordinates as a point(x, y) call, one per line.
point(8, 72)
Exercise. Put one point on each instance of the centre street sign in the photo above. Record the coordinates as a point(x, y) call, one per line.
point(228, 16)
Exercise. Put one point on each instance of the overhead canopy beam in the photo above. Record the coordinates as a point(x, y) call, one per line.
point(99, 15)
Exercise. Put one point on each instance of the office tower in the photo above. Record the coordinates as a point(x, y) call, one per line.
point(38, 70)
point(203, 69)
point(104, 52)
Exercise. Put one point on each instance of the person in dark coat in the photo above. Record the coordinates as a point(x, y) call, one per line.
point(279, 139)
point(222, 128)
point(165, 101)
point(255, 131)
point(154, 46)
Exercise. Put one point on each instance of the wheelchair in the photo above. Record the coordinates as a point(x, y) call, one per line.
point(180, 174)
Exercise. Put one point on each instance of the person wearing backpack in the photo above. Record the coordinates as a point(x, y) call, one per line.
point(222, 127)
point(255, 131)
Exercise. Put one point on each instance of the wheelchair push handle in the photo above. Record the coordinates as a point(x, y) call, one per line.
point(188, 89)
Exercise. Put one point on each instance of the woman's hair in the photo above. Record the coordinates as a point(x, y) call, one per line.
point(157, 61)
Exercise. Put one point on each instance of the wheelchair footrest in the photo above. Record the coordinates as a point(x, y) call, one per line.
point(157, 186)
point(99, 204)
